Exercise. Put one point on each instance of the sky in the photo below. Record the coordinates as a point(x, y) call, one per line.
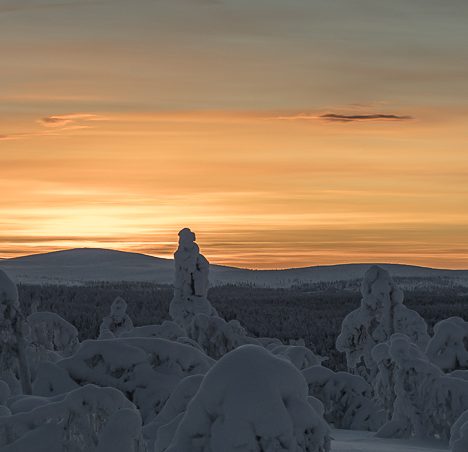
point(284, 133)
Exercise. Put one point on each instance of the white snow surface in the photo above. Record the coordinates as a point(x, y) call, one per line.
point(359, 441)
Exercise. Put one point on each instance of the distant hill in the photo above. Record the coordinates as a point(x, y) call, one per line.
point(94, 264)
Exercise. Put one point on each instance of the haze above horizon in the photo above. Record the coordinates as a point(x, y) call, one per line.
point(285, 134)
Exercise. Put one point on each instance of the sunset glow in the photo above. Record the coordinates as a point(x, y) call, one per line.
point(280, 141)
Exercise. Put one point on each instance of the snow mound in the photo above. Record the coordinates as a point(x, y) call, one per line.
point(146, 370)
point(250, 400)
point(88, 419)
point(174, 407)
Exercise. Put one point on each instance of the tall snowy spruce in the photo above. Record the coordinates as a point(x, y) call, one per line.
point(381, 314)
point(190, 307)
point(191, 281)
point(13, 356)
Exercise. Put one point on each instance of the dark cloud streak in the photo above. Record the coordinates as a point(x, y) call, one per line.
point(335, 117)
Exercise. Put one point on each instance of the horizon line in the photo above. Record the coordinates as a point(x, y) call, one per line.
point(231, 266)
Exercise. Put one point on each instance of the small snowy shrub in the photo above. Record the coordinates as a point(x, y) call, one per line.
point(49, 331)
point(216, 336)
point(249, 401)
point(427, 402)
point(347, 399)
point(117, 322)
point(50, 338)
point(448, 347)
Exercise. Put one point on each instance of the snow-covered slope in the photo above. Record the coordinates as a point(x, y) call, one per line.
point(94, 264)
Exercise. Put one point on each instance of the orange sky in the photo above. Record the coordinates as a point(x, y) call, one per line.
point(334, 142)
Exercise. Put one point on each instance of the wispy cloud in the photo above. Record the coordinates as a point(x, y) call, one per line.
point(55, 125)
point(10, 6)
point(341, 117)
point(69, 119)
point(335, 117)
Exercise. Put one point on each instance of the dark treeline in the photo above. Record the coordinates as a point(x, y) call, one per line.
point(313, 313)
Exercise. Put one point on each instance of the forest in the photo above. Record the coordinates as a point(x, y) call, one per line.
point(313, 313)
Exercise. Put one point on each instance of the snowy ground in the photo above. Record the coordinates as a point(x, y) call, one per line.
point(355, 441)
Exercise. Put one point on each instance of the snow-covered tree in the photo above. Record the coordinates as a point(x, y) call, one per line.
point(50, 338)
point(88, 419)
point(427, 402)
point(298, 355)
point(117, 322)
point(346, 398)
point(216, 336)
point(250, 400)
point(448, 347)
point(384, 380)
point(145, 369)
point(381, 314)
point(191, 281)
point(12, 338)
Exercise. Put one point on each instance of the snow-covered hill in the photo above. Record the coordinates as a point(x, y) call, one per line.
point(94, 264)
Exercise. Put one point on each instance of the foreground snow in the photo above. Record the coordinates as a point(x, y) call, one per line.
point(357, 441)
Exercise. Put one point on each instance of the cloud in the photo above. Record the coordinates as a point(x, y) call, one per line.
point(10, 6)
point(335, 117)
point(56, 125)
point(69, 119)
point(341, 117)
